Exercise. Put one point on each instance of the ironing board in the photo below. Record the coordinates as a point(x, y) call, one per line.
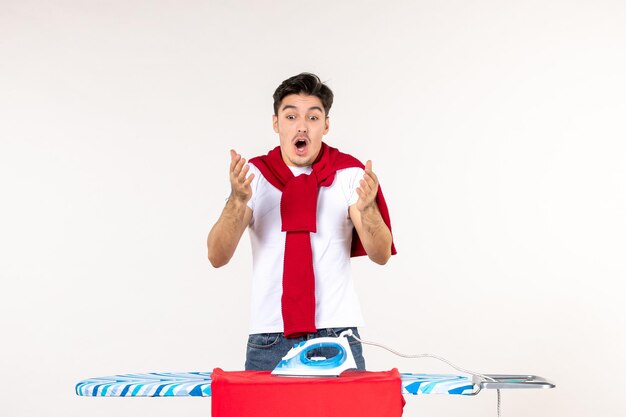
point(198, 384)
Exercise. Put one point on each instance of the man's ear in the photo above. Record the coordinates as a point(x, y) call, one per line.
point(275, 123)
point(326, 125)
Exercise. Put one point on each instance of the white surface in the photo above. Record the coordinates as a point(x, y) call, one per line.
point(496, 128)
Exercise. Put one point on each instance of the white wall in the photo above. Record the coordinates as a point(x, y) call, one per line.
point(496, 128)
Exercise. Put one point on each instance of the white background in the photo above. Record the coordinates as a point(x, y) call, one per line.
point(496, 128)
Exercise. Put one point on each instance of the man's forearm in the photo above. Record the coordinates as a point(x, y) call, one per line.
point(225, 234)
point(375, 236)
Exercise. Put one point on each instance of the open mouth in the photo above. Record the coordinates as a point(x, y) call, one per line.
point(300, 144)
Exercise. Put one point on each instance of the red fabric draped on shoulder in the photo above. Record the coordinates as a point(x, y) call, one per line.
point(298, 210)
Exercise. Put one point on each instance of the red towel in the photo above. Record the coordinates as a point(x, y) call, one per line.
point(260, 394)
point(298, 210)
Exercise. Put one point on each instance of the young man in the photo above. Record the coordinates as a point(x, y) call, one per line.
point(309, 208)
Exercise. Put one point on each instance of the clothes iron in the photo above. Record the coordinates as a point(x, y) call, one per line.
point(319, 357)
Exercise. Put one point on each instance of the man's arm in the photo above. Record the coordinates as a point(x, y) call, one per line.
point(226, 232)
point(367, 220)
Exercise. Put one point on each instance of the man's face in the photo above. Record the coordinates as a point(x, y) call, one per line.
point(301, 123)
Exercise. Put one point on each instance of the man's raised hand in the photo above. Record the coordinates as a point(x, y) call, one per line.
point(239, 184)
point(368, 188)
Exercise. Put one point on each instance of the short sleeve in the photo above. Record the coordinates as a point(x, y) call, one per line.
point(351, 178)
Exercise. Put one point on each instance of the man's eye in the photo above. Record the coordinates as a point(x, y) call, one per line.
point(313, 117)
point(291, 117)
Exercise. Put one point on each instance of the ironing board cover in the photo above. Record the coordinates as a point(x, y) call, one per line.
point(161, 384)
point(198, 384)
point(418, 384)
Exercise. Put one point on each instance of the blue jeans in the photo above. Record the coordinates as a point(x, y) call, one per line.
point(265, 350)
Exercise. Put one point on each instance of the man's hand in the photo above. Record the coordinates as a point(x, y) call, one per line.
point(225, 234)
point(239, 184)
point(367, 220)
point(368, 189)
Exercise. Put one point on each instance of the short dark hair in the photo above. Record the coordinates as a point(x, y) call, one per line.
point(304, 83)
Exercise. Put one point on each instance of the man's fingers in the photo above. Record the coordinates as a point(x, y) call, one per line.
point(365, 196)
point(239, 166)
point(234, 158)
point(368, 192)
point(371, 179)
point(364, 185)
point(244, 171)
point(368, 189)
point(239, 184)
point(248, 180)
point(369, 175)
point(368, 186)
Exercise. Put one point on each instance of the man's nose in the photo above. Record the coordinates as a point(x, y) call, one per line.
point(302, 127)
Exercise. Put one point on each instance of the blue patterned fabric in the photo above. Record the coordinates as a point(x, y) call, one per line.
point(198, 384)
point(164, 384)
point(419, 384)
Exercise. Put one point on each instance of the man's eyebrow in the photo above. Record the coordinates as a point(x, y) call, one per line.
point(291, 106)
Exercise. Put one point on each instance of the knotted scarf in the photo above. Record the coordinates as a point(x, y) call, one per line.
point(298, 211)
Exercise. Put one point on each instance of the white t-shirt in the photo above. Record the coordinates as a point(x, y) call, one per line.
point(337, 304)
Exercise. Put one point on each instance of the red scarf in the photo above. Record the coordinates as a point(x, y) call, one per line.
point(298, 211)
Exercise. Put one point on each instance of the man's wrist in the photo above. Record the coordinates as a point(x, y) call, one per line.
point(369, 209)
point(236, 200)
